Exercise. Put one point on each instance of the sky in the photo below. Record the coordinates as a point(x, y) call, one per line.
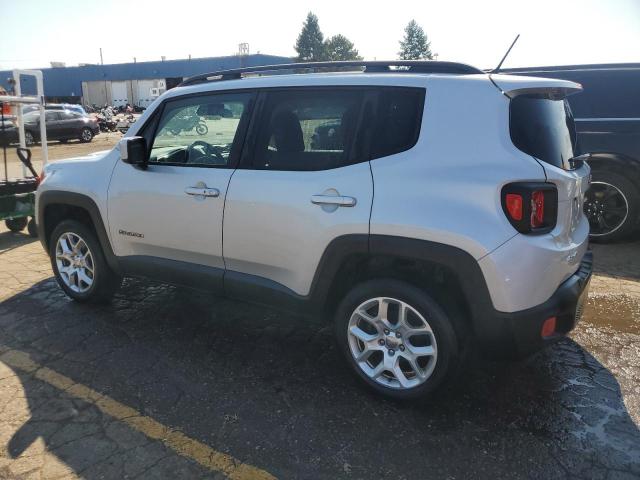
point(552, 32)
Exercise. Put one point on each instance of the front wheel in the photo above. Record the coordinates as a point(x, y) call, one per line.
point(202, 129)
point(79, 264)
point(29, 139)
point(396, 338)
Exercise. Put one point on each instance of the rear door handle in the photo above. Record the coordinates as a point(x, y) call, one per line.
point(202, 192)
point(338, 200)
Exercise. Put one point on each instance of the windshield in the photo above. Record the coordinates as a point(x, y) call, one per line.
point(544, 129)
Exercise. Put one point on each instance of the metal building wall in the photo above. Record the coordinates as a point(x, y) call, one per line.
point(68, 81)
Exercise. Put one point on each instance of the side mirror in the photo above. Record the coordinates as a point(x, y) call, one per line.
point(133, 150)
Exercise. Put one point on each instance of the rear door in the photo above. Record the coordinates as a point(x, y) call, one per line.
point(70, 124)
point(304, 182)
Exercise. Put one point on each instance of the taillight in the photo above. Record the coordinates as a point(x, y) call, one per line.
point(40, 177)
point(537, 209)
point(513, 203)
point(530, 207)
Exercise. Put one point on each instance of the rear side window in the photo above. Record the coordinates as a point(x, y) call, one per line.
point(307, 129)
point(543, 128)
point(398, 119)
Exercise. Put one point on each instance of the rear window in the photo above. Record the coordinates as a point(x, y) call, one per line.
point(543, 128)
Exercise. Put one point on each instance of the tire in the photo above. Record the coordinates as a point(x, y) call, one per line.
point(399, 343)
point(16, 224)
point(86, 135)
point(29, 138)
point(202, 129)
point(612, 205)
point(32, 228)
point(104, 282)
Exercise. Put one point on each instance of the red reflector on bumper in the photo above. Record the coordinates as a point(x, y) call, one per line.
point(548, 327)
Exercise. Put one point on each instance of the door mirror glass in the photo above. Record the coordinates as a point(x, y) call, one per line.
point(133, 150)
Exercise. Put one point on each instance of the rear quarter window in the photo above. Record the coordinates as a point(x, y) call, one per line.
point(398, 119)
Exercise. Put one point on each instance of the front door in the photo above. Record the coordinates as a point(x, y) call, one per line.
point(169, 217)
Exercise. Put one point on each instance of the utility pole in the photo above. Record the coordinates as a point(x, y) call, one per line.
point(101, 62)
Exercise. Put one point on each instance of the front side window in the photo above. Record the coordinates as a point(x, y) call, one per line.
point(306, 130)
point(199, 131)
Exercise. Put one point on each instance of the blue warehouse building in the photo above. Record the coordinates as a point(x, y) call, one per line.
point(134, 83)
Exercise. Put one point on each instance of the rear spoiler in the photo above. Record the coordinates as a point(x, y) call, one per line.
point(551, 88)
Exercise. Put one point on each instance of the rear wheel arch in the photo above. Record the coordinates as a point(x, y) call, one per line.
point(451, 276)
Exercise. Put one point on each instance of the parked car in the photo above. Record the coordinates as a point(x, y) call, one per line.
point(8, 132)
point(608, 126)
point(475, 237)
point(56, 106)
point(61, 125)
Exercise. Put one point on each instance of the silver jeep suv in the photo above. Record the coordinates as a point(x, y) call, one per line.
point(428, 208)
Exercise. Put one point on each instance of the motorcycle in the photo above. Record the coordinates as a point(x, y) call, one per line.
point(187, 124)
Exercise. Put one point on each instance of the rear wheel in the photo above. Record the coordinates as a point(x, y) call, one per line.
point(16, 224)
point(86, 135)
point(396, 338)
point(612, 206)
point(32, 228)
point(79, 264)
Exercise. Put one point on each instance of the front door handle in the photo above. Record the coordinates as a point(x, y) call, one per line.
point(202, 192)
point(338, 200)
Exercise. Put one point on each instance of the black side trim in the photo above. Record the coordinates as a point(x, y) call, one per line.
point(51, 197)
point(174, 272)
point(255, 289)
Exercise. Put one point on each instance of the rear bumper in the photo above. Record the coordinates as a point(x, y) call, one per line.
point(518, 334)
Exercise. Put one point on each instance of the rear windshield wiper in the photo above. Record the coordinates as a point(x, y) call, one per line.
point(577, 161)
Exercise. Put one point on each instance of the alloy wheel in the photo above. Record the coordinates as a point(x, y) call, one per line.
point(392, 343)
point(75, 262)
point(87, 135)
point(606, 208)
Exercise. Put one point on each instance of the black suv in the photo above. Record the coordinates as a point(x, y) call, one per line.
point(607, 116)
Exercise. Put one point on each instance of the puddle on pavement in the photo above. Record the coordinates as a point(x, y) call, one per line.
point(619, 312)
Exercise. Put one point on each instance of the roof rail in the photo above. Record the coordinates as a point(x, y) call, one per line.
point(406, 66)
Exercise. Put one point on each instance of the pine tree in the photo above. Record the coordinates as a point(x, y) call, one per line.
point(414, 45)
point(310, 43)
point(340, 47)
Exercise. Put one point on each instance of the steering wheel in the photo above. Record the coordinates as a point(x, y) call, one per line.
point(204, 154)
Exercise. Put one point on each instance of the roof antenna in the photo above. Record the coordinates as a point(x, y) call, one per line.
point(497, 69)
